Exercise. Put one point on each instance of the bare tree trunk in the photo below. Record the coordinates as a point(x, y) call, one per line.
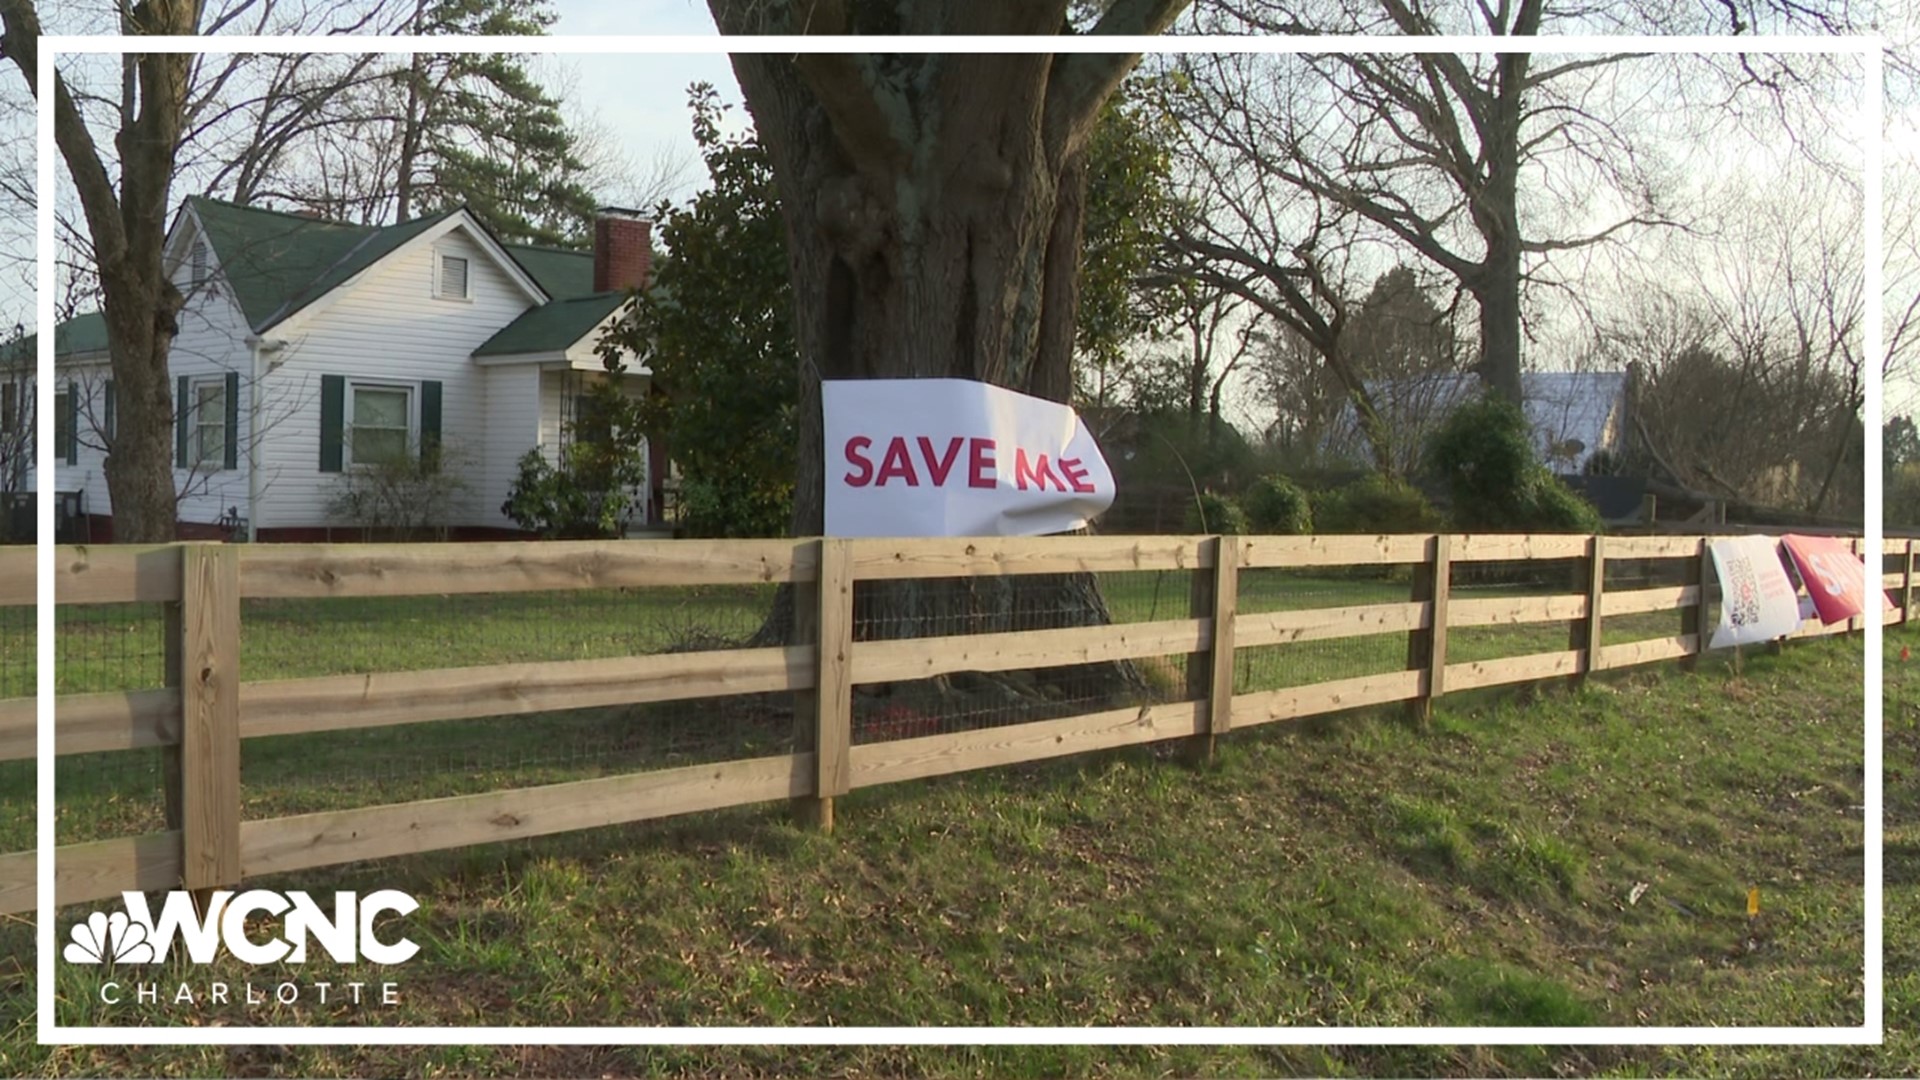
point(128, 229)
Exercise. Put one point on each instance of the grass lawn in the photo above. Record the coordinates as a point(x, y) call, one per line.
point(1545, 858)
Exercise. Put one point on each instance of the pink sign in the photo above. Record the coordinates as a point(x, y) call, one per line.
point(1834, 576)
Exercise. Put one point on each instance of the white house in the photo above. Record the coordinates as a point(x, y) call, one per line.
point(309, 347)
point(1573, 414)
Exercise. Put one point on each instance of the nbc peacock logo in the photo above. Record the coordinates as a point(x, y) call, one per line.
point(105, 937)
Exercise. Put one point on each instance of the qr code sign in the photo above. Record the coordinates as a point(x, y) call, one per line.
point(1743, 601)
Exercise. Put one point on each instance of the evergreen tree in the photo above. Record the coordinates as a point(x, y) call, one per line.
point(477, 129)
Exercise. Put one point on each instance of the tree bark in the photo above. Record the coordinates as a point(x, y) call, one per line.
point(128, 227)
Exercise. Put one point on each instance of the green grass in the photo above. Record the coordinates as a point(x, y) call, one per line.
point(1346, 870)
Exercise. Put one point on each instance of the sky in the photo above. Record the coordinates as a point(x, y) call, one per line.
point(639, 102)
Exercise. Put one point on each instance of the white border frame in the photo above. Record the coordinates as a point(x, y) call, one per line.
point(1871, 1032)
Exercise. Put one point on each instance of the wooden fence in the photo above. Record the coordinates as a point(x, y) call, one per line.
point(205, 711)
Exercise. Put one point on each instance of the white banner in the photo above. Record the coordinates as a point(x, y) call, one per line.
point(953, 457)
point(1757, 600)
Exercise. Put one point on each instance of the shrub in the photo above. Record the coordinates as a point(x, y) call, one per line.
point(1215, 513)
point(1277, 506)
point(577, 501)
point(1484, 453)
point(1372, 505)
point(407, 497)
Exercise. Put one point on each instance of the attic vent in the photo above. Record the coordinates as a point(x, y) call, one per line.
point(199, 261)
point(453, 277)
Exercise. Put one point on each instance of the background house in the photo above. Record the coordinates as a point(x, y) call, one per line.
point(308, 349)
point(1573, 414)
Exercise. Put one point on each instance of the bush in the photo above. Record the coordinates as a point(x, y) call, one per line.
point(1276, 506)
point(1215, 513)
point(407, 497)
point(576, 501)
point(1372, 505)
point(1484, 453)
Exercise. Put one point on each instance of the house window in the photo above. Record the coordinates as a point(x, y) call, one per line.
point(210, 432)
point(198, 260)
point(380, 422)
point(453, 277)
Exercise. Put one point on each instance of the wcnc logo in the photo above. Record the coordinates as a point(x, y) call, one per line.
point(137, 936)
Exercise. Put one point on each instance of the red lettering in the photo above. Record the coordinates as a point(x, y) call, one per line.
point(980, 463)
point(854, 446)
point(897, 463)
point(1039, 472)
point(1076, 474)
point(939, 469)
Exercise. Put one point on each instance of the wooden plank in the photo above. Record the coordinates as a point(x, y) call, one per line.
point(1435, 683)
point(1813, 628)
point(1895, 545)
point(19, 576)
point(277, 845)
point(19, 729)
point(1490, 547)
point(923, 658)
point(1226, 601)
point(937, 755)
point(941, 557)
point(1653, 547)
point(1635, 601)
point(1892, 579)
point(210, 717)
point(1512, 669)
point(1515, 610)
point(1906, 582)
point(340, 702)
point(318, 570)
point(1320, 624)
point(1646, 652)
point(835, 680)
point(92, 723)
point(113, 573)
point(1295, 702)
point(1585, 636)
point(94, 871)
point(1270, 551)
point(1693, 618)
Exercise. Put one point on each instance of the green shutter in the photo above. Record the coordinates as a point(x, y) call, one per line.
point(72, 449)
point(182, 416)
point(110, 421)
point(333, 420)
point(429, 423)
point(233, 420)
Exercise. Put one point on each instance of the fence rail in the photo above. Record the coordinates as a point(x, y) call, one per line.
point(204, 713)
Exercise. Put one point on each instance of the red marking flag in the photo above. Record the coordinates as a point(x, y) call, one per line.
point(953, 457)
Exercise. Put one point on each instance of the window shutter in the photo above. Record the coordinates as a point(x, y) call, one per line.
point(333, 420)
point(72, 449)
point(233, 420)
point(182, 416)
point(111, 420)
point(429, 423)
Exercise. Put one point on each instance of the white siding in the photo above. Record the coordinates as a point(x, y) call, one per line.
point(212, 342)
point(390, 327)
point(513, 428)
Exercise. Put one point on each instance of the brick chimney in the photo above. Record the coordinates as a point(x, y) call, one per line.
point(622, 249)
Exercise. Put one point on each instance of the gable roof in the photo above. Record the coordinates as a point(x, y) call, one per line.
point(276, 264)
point(1567, 410)
point(77, 336)
point(552, 326)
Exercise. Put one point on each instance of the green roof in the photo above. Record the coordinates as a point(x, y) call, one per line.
point(80, 334)
point(278, 263)
point(552, 326)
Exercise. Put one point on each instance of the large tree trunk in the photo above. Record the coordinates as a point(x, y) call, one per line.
point(128, 228)
point(933, 209)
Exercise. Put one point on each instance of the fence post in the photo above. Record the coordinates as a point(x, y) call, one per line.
point(1906, 585)
point(1693, 618)
point(1585, 636)
point(1427, 649)
point(833, 688)
point(1221, 601)
point(208, 674)
point(1875, 575)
